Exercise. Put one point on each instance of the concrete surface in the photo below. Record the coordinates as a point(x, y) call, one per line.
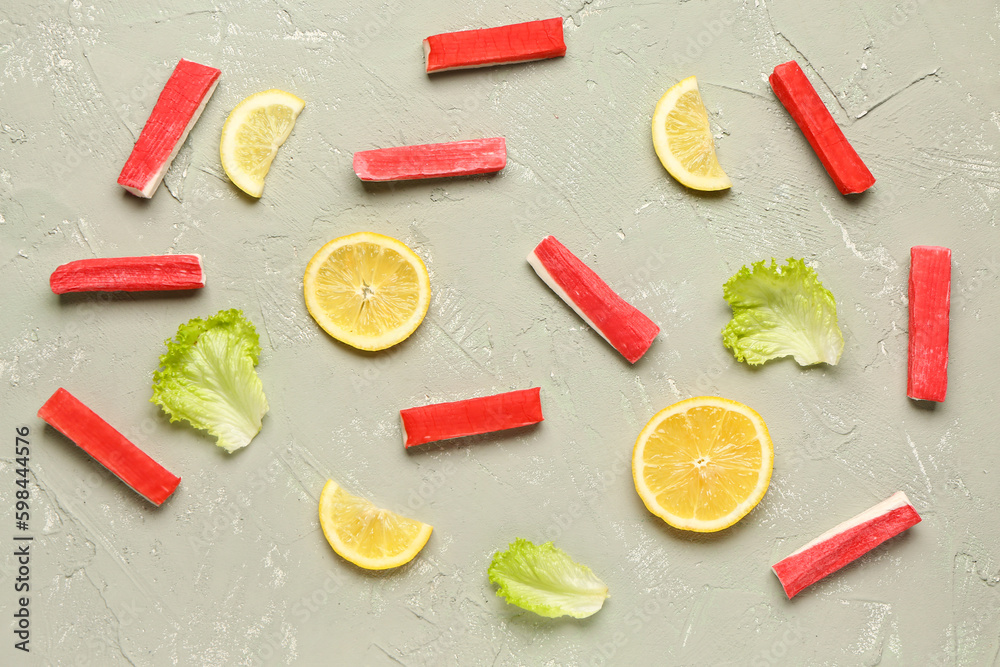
point(233, 570)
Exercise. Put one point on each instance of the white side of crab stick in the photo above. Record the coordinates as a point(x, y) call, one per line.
point(845, 543)
point(168, 126)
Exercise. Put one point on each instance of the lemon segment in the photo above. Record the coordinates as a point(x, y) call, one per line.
point(683, 140)
point(703, 464)
point(253, 132)
point(367, 290)
point(368, 536)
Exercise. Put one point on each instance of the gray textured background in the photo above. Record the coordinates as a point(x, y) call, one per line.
point(233, 569)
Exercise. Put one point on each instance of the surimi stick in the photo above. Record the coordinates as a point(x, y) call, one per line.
point(621, 324)
point(930, 305)
point(174, 114)
point(109, 447)
point(443, 421)
point(454, 158)
point(842, 162)
point(503, 45)
point(850, 540)
point(129, 274)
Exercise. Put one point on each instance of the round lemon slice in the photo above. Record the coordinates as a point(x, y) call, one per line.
point(254, 131)
point(703, 464)
point(369, 537)
point(683, 139)
point(367, 290)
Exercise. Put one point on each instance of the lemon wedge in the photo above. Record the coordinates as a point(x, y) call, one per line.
point(367, 290)
point(683, 139)
point(703, 464)
point(254, 131)
point(369, 537)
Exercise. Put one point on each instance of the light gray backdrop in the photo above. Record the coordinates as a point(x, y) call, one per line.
point(233, 570)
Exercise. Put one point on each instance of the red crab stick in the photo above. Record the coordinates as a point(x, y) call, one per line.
point(930, 303)
point(850, 540)
point(473, 416)
point(518, 43)
point(111, 449)
point(174, 114)
point(618, 322)
point(846, 169)
point(455, 158)
point(129, 274)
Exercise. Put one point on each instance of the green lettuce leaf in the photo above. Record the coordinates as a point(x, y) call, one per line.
point(780, 311)
point(545, 580)
point(207, 377)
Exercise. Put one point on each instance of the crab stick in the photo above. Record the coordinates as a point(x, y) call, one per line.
point(174, 114)
point(129, 274)
point(621, 324)
point(109, 447)
point(454, 158)
point(850, 540)
point(841, 161)
point(443, 421)
point(504, 45)
point(930, 304)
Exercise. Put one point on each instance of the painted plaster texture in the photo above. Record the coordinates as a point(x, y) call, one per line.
point(234, 570)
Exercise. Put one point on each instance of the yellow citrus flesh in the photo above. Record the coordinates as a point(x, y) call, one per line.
point(369, 537)
point(683, 139)
point(254, 131)
point(703, 464)
point(367, 290)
